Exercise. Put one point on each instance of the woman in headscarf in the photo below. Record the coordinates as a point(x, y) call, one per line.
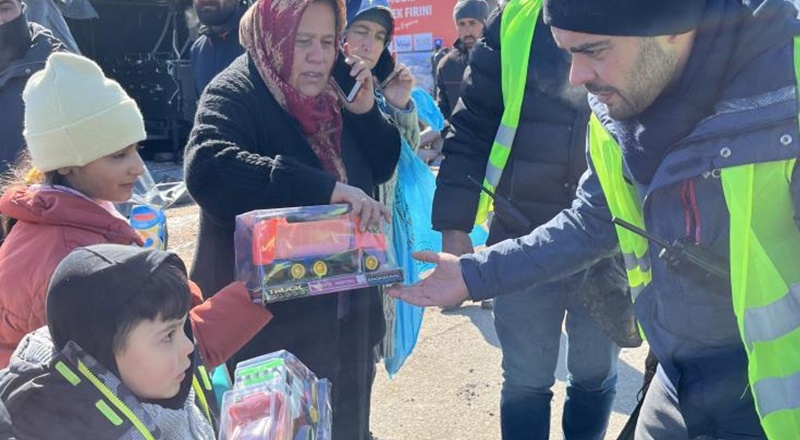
point(271, 132)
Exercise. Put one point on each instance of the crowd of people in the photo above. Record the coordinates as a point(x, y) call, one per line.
point(594, 122)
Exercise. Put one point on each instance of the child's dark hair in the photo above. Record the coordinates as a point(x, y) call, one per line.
point(165, 296)
point(99, 294)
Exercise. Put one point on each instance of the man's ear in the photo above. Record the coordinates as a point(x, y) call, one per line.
point(679, 38)
point(66, 171)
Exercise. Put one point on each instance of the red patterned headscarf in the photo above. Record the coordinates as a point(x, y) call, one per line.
point(267, 32)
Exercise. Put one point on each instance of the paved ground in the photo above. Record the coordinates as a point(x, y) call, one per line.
point(450, 387)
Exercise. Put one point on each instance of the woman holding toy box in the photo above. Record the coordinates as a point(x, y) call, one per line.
point(271, 132)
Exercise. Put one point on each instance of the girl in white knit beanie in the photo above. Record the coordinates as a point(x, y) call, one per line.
point(82, 131)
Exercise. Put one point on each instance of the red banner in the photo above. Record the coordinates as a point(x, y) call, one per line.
point(419, 23)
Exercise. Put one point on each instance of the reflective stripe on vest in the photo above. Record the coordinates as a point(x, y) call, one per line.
point(623, 202)
point(764, 262)
point(516, 38)
point(765, 272)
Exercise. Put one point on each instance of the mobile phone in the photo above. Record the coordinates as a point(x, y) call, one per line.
point(347, 85)
point(384, 68)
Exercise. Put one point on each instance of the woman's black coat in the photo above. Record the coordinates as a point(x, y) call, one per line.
point(244, 153)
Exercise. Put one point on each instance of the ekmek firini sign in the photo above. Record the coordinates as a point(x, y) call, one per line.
point(419, 22)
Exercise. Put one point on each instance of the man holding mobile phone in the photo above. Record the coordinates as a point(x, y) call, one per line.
point(368, 36)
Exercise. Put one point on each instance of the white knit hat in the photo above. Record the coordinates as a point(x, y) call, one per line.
point(75, 115)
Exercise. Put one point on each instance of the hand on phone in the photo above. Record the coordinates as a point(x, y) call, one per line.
point(385, 68)
point(364, 98)
point(346, 84)
point(397, 89)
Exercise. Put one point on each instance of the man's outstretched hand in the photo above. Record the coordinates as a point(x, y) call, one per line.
point(443, 287)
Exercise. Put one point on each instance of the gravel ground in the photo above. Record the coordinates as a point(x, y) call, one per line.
point(450, 387)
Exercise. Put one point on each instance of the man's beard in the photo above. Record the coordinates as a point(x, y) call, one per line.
point(652, 73)
point(15, 40)
point(469, 42)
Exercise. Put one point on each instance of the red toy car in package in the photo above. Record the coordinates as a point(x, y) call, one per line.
point(276, 397)
point(297, 252)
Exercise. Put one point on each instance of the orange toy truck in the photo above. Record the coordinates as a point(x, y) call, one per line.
point(296, 251)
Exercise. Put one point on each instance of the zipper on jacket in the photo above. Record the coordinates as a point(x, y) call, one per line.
point(202, 398)
point(121, 406)
point(198, 390)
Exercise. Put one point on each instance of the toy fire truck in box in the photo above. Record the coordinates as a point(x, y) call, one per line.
point(297, 256)
point(315, 249)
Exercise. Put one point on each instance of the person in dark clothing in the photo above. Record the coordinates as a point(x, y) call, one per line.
point(52, 13)
point(111, 366)
point(546, 162)
point(270, 132)
point(24, 48)
point(438, 53)
point(693, 138)
point(470, 17)
point(218, 43)
point(368, 35)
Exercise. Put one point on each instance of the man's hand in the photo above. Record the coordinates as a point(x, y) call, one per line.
point(457, 243)
point(398, 91)
point(444, 286)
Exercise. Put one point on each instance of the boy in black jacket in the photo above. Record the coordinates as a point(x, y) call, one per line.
point(117, 360)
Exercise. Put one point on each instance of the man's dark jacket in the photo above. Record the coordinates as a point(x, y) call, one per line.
point(12, 83)
point(546, 163)
point(690, 326)
point(548, 155)
point(449, 74)
point(215, 50)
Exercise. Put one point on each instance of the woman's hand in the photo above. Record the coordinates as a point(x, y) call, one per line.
point(365, 98)
point(368, 210)
point(398, 91)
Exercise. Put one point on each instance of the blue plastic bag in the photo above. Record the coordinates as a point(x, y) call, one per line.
point(427, 110)
point(412, 231)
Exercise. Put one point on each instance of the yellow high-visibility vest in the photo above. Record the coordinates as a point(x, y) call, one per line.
point(764, 266)
point(516, 38)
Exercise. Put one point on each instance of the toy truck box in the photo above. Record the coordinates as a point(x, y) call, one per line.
point(276, 397)
point(289, 253)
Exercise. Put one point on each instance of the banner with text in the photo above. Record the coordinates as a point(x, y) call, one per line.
point(420, 23)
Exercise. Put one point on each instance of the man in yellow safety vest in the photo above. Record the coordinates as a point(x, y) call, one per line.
point(520, 127)
point(693, 141)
